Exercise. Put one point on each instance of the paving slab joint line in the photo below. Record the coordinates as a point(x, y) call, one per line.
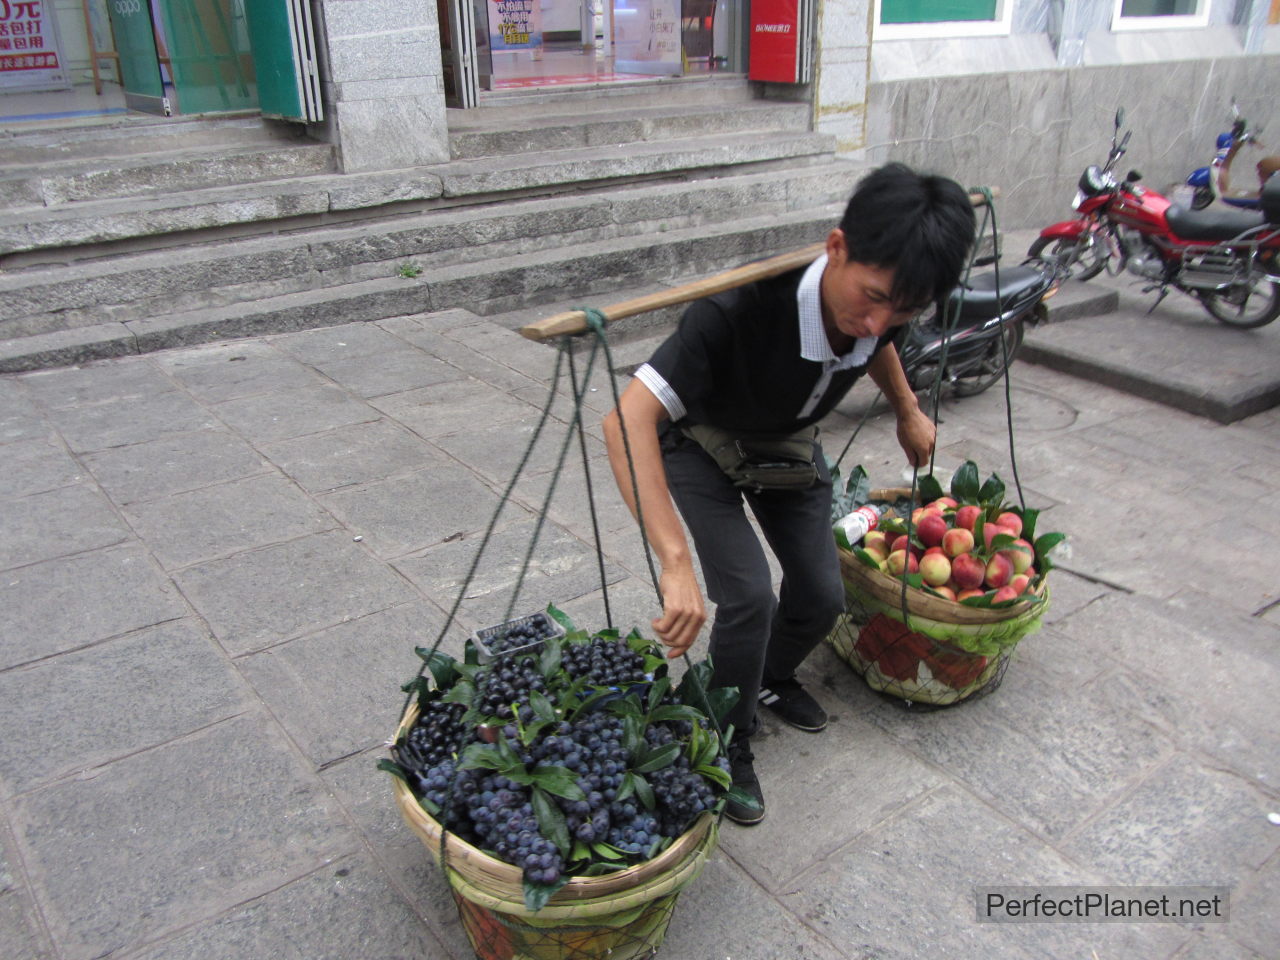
point(1101, 581)
point(1266, 608)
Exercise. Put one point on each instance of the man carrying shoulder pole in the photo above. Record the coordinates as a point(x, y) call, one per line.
point(724, 411)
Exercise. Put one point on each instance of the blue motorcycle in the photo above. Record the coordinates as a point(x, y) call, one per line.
point(1214, 181)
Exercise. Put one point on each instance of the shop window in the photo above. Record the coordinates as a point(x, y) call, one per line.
point(1159, 14)
point(910, 19)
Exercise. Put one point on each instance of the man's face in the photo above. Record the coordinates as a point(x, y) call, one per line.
point(856, 299)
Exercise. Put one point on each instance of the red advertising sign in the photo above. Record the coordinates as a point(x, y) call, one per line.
point(28, 44)
point(775, 41)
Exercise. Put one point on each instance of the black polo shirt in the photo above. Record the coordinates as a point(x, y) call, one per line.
point(736, 360)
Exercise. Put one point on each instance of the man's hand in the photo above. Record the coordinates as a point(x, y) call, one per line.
point(916, 434)
point(683, 612)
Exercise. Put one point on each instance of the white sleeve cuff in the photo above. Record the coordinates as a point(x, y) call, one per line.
point(659, 387)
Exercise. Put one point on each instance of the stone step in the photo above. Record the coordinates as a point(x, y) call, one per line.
point(308, 201)
point(604, 97)
point(157, 174)
point(503, 136)
point(63, 296)
point(135, 134)
point(487, 288)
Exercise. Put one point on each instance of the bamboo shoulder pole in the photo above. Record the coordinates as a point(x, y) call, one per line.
point(575, 321)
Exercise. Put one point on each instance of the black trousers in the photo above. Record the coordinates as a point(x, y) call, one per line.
point(756, 634)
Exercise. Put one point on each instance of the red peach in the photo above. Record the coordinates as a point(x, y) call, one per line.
point(878, 553)
point(935, 568)
point(1020, 582)
point(900, 542)
point(1011, 521)
point(944, 503)
point(1019, 555)
point(967, 571)
point(966, 594)
point(943, 589)
point(966, 516)
point(900, 560)
point(931, 529)
point(990, 531)
point(999, 571)
point(1005, 593)
point(877, 538)
point(957, 541)
point(932, 550)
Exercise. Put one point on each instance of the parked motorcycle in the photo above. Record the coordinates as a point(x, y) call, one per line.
point(961, 341)
point(1214, 181)
point(1227, 259)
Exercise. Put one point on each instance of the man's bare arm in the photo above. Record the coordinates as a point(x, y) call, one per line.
point(916, 432)
point(683, 609)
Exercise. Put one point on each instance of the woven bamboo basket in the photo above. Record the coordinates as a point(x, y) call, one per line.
point(944, 652)
point(621, 915)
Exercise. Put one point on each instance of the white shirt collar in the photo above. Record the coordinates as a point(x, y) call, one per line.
point(814, 344)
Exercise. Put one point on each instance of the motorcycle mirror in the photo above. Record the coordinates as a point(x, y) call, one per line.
point(1119, 118)
point(1133, 176)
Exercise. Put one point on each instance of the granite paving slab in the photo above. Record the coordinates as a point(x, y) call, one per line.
point(37, 465)
point(83, 709)
point(831, 787)
point(225, 371)
point(1225, 663)
point(495, 451)
point(363, 916)
point(726, 914)
point(391, 371)
point(337, 343)
point(263, 597)
point(227, 518)
point(177, 464)
point(906, 890)
point(293, 413)
point(438, 409)
point(329, 709)
point(93, 427)
point(64, 604)
point(20, 418)
point(357, 453)
point(1047, 762)
point(561, 568)
point(1185, 823)
point(172, 835)
point(404, 514)
point(365, 794)
point(58, 523)
point(132, 378)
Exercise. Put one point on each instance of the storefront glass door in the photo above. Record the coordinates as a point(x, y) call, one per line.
point(139, 61)
point(543, 43)
point(210, 62)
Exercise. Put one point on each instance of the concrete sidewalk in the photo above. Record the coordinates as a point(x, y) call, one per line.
point(217, 562)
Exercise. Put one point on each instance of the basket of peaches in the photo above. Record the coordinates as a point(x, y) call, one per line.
point(942, 589)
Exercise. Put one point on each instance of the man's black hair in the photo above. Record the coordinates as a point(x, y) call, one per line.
point(920, 225)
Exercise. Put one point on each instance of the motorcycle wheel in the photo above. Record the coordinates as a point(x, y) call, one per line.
point(992, 366)
point(1081, 259)
point(1257, 307)
point(1201, 198)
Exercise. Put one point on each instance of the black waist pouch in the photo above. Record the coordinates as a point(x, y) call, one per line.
point(756, 462)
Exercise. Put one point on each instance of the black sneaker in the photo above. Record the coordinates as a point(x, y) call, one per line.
point(742, 770)
point(789, 701)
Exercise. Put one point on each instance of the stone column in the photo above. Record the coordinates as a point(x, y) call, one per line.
point(842, 71)
point(382, 83)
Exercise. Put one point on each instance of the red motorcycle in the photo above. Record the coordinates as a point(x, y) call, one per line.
point(1228, 259)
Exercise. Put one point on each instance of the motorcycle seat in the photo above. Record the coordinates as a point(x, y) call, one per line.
point(980, 300)
point(1213, 223)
